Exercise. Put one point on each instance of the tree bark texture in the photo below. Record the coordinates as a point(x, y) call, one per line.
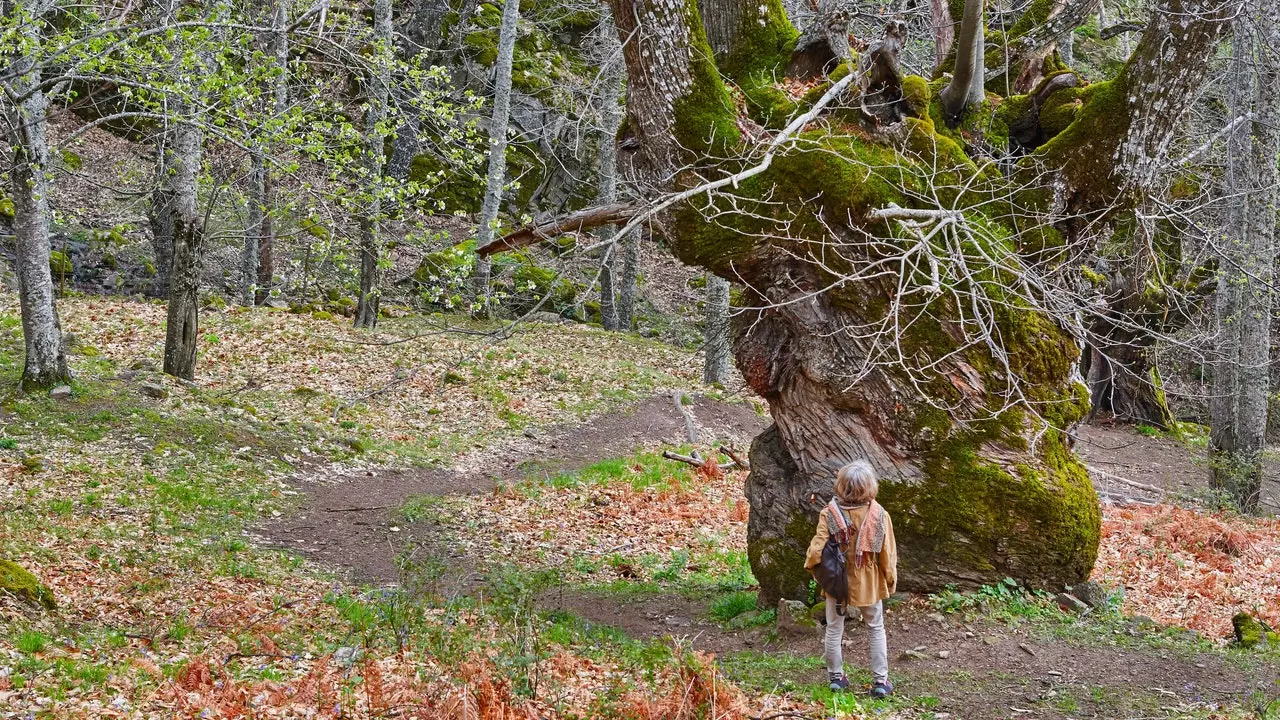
point(607, 192)
point(378, 97)
point(628, 279)
point(279, 42)
point(182, 325)
point(972, 501)
point(1239, 404)
point(255, 229)
point(967, 82)
point(717, 342)
point(499, 123)
point(46, 361)
point(980, 479)
point(944, 30)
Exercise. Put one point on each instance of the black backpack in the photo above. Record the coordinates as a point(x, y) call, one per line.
point(830, 573)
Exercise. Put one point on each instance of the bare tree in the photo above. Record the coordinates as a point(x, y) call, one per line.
point(375, 116)
point(966, 86)
point(257, 266)
point(612, 78)
point(25, 105)
point(1241, 382)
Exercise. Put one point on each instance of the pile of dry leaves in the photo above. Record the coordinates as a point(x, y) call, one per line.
point(1191, 569)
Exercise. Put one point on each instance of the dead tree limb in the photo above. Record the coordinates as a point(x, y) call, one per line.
point(690, 425)
point(732, 454)
point(586, 219)
point(696, 460)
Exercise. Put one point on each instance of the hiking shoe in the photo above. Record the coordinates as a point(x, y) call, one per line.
point(882, 690)
point(839, 683)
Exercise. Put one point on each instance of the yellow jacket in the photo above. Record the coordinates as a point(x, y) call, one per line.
point(871, 582)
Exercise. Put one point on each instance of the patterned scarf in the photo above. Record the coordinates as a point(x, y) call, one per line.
point(870, 539)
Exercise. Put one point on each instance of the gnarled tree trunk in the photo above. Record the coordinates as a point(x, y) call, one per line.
point(182, 326)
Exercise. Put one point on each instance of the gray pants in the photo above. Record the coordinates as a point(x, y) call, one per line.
point(873, 615)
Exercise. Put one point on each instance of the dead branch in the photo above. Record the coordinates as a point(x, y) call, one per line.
point(696, 460)
point(528, 236)
point(579, 221)
point(1112, 477)
point(732, 454)
point(690, 425)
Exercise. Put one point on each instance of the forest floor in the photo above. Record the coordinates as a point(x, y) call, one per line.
point(479, 530)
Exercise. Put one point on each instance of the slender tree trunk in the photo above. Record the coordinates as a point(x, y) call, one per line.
point(498, 125)
point(611, 120)
point(255, 229)
point(379, 94)
point(716, 340)
point(46, 361)
point(279, 50)
point(966, 86)
point(182, 327)
point(628, 281)
point(944, 31)
point(1238, 408)
point(160, 215)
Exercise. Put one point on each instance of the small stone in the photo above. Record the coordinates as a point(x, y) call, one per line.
point(938, 618)
point(1092, 594)
point(1026, 649)
point(530, 433)
point(153, 390)
point(969, 634)
point(1072, 604)
point(911, 655)
point(918, 648)
point(991, 640)
point(793, 617)
point(944, 654)
point(1057, 673)
point(62, 392)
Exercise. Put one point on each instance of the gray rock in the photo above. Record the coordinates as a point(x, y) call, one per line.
point(277, 303)
point(62, 392)
point(153, 390)
point(1093, 595)
point(543, 316)
point(1072, 604)
point(793, 617)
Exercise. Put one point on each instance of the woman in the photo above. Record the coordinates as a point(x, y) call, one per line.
point(871, 565)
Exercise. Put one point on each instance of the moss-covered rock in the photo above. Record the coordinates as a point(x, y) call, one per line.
point(18, 582)
point(6, 207)
point(1253, 633)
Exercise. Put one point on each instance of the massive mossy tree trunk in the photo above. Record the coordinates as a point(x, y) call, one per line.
point(1241, 382)
point(25, 122)
point(373, 156)
point(888, 314)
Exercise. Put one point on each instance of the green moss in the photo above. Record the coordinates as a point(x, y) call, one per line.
point(1251, 632)
point(1103, 118)
point(769, 105)
point(59, 264)
point(483, 46)
point(1034, 16)
point(764, 43)
point(18, 582)
point(6, 207)
point(1060, 110)
point(1095, 279)
point(916, 96)
point(705, 118)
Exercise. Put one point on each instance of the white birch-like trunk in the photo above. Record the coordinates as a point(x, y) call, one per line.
point(46, 361)
point(716, 337)
point(375, 116)
point(611, 121)
point(497, 175)
point(965, 88)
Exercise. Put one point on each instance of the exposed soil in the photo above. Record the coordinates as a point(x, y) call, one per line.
point(346, 521)
point(1120, 452)
point(991, 670)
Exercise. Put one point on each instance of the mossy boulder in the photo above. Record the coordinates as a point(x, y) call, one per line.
point(18, 582)
point(1253, 633)
point(6, 208)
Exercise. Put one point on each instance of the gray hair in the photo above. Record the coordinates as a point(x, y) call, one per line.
point(856, 483)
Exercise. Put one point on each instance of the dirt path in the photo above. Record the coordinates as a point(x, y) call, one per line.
point(347, 521)
point(1158, 461)
point(987, 670)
